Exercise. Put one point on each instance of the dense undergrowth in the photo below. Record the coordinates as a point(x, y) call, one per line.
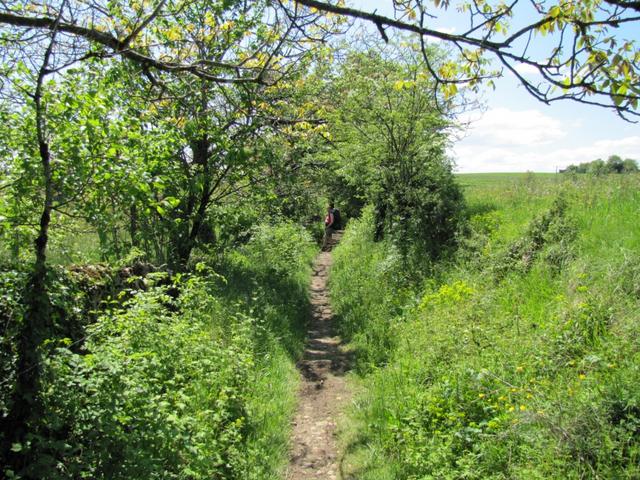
point(189, 378)
point(518, 357)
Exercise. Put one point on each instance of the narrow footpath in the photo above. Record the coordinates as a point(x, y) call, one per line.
point(323, 393)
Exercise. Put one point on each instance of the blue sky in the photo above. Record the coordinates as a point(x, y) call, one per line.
point(517, 133)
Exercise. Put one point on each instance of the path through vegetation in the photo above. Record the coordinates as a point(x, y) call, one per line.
point(324, 392)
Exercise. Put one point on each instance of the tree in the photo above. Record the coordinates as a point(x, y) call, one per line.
point(210, 62)
point(597, 167)
point(390, 141)
point(37, 317)
point(213, 135)
point(582, 58)
point(630, 165)
point(615, 164)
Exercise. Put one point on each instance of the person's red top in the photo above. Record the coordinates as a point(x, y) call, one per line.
point(328, 220)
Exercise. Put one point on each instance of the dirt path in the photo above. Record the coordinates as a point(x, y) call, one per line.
point(323, 393)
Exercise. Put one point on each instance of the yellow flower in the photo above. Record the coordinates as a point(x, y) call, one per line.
point(582, 376)
point(511, 408)
point(523, 408)
point(519, 369)
point(481, 395)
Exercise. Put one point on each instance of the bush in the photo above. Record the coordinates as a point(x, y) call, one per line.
point(369, 290)
point(159, 394)
point(192, 379)
point(533, 376)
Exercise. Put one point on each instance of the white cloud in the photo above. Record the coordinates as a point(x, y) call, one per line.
point(526, 70)
point(475, 158)
point(505, 140)
point(626, 147)
point(511, 127)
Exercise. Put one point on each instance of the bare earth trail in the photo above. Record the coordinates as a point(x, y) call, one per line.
point(323, 393)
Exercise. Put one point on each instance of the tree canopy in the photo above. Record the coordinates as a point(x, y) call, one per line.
point(574, 48)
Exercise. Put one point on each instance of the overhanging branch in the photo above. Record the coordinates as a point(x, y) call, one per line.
point(121, 47)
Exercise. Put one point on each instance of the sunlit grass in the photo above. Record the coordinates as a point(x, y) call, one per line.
point(529, 373)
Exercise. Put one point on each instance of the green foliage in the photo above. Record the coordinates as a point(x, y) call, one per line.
point(155, 396)
point(280, 250)
point(532, 376)
point(370, 291)
point(12, 283)
point(269, 275)
point(390, 150)
point(192, 378)
point(551, 230)
point(614, 164)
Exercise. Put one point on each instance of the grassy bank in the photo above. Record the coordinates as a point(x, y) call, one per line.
point(191, 378)
point(516, 358)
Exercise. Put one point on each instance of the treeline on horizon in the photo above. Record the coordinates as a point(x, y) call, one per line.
point(614, 164)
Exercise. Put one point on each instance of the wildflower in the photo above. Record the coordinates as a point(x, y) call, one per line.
point(523, 408)
point(582, 376)
point(519, 368)
point(511, 408)
point(481, 395)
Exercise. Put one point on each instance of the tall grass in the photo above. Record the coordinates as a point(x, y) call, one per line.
point(520, 358)
point(189, 379)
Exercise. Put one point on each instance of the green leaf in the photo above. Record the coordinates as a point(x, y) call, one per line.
point(173, 202)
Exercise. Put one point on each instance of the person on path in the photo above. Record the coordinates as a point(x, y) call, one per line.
point(330, 226)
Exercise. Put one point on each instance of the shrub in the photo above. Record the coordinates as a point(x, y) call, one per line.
point(533, 376)
point(193, 377)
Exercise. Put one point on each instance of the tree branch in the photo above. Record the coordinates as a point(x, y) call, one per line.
point(120, 47)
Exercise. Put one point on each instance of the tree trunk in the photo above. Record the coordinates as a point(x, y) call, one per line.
point(25, 408)
point(185, 238)
point(37, 327)
point(381, 211)
point(133, 225)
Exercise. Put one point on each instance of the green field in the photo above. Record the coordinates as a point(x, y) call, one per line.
point(515, 357)
point(499, 179)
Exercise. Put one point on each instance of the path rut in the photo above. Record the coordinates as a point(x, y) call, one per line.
point(324, 392)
